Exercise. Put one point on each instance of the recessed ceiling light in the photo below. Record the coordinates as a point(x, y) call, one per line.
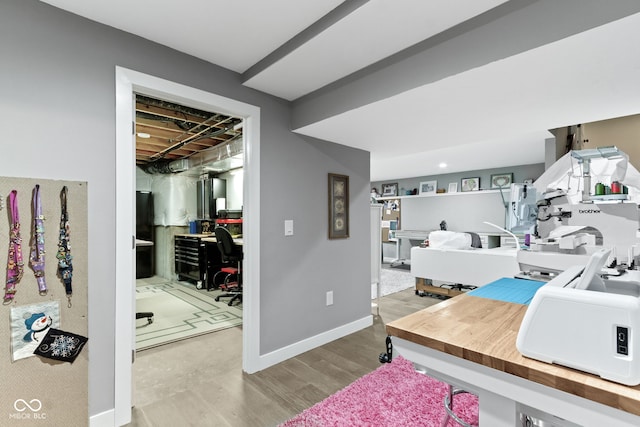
point(143, 135)
point(443, 165)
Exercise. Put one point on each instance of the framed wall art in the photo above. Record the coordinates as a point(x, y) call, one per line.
point(470, 184)
point(428, 187)
point(390, 190)
point(501, 180)
point(453, 187)
point(338, 206)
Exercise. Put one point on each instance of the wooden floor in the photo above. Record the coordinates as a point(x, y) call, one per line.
point(199, 382)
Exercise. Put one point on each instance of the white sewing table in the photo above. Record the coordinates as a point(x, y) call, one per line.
point(465, 266)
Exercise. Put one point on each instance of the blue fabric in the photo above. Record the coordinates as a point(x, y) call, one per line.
point(519, 291)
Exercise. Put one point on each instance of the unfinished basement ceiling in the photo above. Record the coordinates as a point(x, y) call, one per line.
point(170, 136)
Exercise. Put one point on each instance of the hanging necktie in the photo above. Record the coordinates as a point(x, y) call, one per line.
point(37, 243)
point(15, 264)
point(65, 267)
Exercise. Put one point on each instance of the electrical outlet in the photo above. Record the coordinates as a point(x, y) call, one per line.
point(330, 298)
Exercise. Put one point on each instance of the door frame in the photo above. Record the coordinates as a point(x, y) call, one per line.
point(128, 83)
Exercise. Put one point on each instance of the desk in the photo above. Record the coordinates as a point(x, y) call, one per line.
point(401, 235)
point(469, 342)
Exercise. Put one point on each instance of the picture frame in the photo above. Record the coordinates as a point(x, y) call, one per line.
point(470, 184)
point(390, 190)
point(453, 187)
point(338, 206)
point(501, 180)
point(428, 187)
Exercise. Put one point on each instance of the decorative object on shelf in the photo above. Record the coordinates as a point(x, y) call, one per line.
point(390, 190)
point(453, 187)
point(470, 184)
point(428, 187)
point(528, 181)
point(501, 180)
point(339, 206)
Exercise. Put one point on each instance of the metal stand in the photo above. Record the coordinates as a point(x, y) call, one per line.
point(448, 406)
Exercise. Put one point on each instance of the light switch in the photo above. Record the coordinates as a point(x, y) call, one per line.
point(288, 227)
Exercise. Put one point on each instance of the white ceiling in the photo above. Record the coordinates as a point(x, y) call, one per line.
point(376, 30)
point(487, 116)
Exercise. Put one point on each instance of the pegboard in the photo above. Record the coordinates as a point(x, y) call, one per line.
point(37, 391)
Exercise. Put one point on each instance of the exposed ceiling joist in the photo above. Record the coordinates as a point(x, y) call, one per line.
point(168, 131)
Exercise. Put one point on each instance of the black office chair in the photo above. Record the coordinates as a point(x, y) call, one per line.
point(231, 255)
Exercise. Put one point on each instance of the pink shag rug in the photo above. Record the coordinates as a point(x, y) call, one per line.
point(392, 395)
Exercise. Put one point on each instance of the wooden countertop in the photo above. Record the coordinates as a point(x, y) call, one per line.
point(212, 239)
point(199, 235)
point(140, 242)
point(484, 331)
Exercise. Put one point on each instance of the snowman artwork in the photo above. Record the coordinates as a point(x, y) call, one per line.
point(38, 325)
point(29, 326)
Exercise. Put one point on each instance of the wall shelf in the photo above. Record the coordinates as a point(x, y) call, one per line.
point(459, 193)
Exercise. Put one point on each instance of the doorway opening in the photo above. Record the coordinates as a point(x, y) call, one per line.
point(189, 181)
point(129, 83)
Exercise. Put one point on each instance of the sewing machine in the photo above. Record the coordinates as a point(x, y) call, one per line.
point(522, 210)
point(588, 315)
point(587, 318)
point(572, 225)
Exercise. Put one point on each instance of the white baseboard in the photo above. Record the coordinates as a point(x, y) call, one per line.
point(103, 419)
point(282, 354)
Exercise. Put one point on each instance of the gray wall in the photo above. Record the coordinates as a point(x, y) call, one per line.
point(296, 277)
point(463, 212)
point(58, 102)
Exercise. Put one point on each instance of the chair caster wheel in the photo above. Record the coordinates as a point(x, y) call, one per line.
point(217, 299)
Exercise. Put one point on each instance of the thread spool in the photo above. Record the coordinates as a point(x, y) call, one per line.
point(599, 189)
point(616, 188)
